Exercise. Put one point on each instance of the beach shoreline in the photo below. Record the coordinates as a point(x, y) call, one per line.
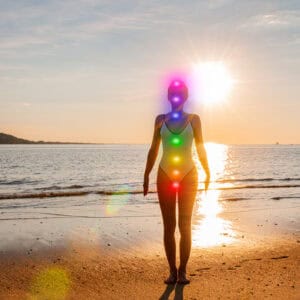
point(84, 253)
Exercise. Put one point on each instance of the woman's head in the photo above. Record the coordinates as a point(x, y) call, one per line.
point(177, 92)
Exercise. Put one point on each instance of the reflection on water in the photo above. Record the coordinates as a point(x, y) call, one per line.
point(209, 229)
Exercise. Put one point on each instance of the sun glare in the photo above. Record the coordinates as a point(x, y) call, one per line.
point(213, 81)
point(209, 228)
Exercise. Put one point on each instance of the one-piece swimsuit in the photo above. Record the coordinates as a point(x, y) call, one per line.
point(177, 159)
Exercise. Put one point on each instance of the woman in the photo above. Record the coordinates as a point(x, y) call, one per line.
point(177, 175)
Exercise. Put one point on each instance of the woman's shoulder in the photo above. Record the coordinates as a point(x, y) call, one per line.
point(195, 120)
point(194, 117)
point(159, 119)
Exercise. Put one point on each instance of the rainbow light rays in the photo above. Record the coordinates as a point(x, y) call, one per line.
point(117, 200)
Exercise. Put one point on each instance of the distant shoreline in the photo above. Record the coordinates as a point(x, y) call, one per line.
point(51, 143)
point(7, 139)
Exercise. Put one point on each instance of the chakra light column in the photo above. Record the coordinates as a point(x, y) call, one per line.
point(176, 98)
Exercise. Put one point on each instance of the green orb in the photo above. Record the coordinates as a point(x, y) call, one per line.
point(176, 140)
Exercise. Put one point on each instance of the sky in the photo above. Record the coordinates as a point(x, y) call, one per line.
point(95, 71)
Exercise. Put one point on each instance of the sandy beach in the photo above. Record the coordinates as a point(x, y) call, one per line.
point(269, 271)
point(82, 253)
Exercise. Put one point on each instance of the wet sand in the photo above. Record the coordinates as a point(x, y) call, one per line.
point(80, 252)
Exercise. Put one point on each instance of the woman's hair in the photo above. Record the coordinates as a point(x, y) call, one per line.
point(178, 87)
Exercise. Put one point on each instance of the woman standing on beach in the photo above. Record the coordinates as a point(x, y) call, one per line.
point(177, 175)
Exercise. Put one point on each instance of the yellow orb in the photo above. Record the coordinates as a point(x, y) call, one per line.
point(176, 159)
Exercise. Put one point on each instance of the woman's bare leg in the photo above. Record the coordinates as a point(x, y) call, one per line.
point(186, 198)
point(167, 201)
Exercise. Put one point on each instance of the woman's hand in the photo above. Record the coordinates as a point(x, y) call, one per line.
point(207, 181)
point(153, 151)
point(196, 124)
point(146, 185)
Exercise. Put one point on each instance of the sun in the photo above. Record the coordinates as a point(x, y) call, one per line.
point(213, 81)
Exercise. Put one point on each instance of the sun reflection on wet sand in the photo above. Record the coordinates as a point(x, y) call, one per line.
point(209, 229)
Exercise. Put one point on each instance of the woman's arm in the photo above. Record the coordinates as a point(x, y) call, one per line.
point(200, 147)
point(153, 151)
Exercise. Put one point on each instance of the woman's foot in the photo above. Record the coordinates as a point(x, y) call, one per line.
point(182, 278)
point(172, 279)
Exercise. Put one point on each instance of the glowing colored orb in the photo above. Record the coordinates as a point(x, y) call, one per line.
point(175, 172)
point(176, 99)
point(176, 159)
point(175, 115)
point(176, 83)
point(176, 141)
point(175, 185)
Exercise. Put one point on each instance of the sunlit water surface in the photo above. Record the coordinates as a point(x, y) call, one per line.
point(68, 179)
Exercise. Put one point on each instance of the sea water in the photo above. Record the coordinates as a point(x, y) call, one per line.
point(51, 191)
point(28, 171)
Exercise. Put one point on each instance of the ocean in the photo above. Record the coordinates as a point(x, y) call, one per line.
point(94, 192)
point(238, 171)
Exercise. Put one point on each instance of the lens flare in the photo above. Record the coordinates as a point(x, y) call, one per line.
point(51, 283)
point(117, 200)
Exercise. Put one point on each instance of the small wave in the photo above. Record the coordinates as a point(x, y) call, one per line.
point(257, 179)
point(58, 187)
point(234, 199)
point(285, 197)
point(107, 192)
point(16, 182)
point(125, 192)
point(259, 187)
point(43, 195)
point(134, 184)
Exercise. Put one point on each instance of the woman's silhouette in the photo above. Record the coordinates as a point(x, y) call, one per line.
point(177, 175)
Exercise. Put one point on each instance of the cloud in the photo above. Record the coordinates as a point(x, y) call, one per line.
point(285, 19)
point(216, 4)
point(25, 104)
point(22, 41)
point(31, 26)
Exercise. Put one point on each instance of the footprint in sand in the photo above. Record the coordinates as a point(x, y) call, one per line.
point(245, 260)
point(280, 257)
point(202, 269)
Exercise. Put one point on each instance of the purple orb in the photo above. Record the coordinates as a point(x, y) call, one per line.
point(176, 99)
